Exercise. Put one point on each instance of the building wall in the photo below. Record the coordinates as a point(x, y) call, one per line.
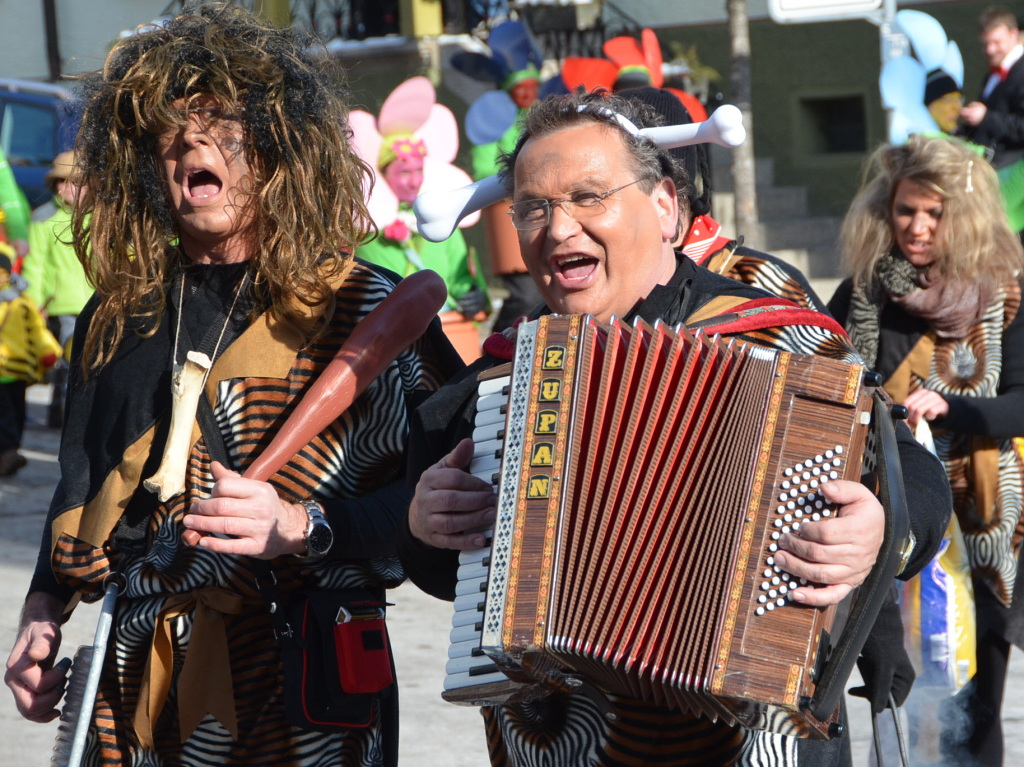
point(85, 28)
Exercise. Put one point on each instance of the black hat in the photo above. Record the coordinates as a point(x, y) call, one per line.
point(938, 85)
point(692, 159)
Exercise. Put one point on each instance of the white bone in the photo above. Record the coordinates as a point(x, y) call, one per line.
point(438, 212)
point(169, 479)
point(724, 127)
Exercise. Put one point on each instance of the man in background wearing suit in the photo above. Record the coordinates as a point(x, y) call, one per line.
point(996, 119)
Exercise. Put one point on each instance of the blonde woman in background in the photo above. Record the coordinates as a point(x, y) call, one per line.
point(933, 305)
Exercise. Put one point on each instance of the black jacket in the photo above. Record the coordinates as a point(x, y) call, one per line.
point(1003, 127)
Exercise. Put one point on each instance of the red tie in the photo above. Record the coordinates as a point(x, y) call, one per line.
point(1002, 72)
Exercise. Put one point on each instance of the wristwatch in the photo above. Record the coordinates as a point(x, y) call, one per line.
point(318, 536)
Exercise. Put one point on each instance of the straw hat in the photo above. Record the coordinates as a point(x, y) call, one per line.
point(63, 166)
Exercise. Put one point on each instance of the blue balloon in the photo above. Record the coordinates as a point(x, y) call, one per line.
point(926, 35)
point(489, 117)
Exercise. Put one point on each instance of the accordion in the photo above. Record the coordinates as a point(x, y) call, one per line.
point(644, 476)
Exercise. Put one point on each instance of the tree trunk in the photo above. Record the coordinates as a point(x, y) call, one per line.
point(743, 176)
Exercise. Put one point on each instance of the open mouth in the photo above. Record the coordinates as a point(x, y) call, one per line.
point(202, 184)
point(575, 268)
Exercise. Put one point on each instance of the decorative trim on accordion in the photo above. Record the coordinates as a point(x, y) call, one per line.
point(504, 525)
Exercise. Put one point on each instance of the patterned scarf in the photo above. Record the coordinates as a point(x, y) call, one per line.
point(950, 307)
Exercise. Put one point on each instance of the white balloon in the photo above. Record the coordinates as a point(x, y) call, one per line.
point(953, 64)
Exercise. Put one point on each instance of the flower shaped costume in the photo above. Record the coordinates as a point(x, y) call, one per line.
point(916, 87)
point(411, 145)
point(513, 67)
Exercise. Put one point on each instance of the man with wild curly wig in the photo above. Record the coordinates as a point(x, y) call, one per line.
point(222, 202)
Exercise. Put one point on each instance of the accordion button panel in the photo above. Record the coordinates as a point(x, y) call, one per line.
point(467, 666)
point(810, 473)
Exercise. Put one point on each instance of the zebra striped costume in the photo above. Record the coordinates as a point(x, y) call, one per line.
point(706, 246)
point(178, 592)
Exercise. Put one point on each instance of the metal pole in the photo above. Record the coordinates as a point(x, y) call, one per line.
point(80, 699)
point(892, 44)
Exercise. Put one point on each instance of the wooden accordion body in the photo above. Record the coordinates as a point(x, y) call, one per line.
point(646, 475)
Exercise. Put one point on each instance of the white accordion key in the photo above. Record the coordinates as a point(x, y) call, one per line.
point(490, 410)
point(467, 665)
point(487, 432)
point(493, 386)
point(475, 556)
point(467, 679)
point(484, 468)
point(469, 601)
point(487, 449)
point(471, 571)
point(466, 618)
point(460, 634)
point(464, 648)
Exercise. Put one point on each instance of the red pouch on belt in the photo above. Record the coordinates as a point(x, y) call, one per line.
point(361, 645)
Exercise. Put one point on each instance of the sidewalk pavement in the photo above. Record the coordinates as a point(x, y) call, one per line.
point(432, 732)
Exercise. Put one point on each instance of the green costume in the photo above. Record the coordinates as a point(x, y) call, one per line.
point(13, 202)
point(485, 156)
point(56, 279)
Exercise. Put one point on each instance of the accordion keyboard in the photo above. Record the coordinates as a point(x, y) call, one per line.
point(467, 665)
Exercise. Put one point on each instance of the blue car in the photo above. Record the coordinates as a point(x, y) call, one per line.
point(37, 122)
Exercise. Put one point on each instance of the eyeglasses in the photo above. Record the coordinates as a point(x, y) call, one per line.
point(536, 214)
point(213, 118)
point(215, 113)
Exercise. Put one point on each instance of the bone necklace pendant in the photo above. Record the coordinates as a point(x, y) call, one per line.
point(187, 382)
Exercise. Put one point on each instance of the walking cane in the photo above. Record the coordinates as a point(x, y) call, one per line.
point(80, 698)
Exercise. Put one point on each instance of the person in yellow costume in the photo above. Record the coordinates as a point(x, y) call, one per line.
point(27, 349)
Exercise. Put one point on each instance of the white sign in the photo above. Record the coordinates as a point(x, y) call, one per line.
point(797, 11)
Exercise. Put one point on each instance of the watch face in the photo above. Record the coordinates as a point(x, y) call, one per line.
point(319, 539)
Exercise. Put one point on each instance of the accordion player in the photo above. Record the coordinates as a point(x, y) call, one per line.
point(644, 475)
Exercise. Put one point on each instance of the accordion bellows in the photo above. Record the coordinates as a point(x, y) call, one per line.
point(647, 474)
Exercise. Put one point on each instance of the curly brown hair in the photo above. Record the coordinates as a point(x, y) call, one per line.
point(307, 183)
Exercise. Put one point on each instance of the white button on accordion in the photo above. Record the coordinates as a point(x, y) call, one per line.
point(645, 476)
